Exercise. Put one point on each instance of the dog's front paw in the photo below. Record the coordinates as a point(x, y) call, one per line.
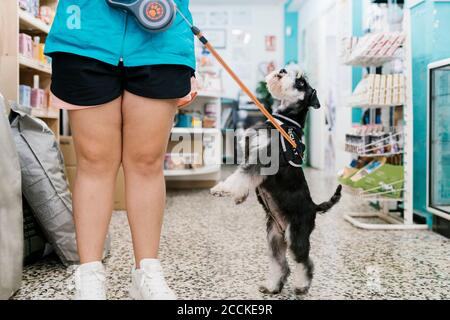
point(301, 291)
point(265, 290)
point(220, 191)
point(241, 199)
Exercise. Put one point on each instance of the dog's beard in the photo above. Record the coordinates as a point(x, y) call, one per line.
point(282, 88)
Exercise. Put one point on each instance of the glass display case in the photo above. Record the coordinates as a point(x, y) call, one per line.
point(439, 140)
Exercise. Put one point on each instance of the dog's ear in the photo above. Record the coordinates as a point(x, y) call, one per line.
point(314, 100)
point(297, 70)
point(299, 74)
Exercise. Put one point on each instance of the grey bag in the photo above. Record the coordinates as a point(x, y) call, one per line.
point(44, 183)
point(11, 229)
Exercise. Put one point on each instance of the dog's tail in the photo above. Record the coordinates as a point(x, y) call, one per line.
point(326, 206)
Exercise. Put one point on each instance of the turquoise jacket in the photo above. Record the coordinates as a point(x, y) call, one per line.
point(93, 29)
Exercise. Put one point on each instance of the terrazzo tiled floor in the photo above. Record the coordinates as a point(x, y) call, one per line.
point(212, 249)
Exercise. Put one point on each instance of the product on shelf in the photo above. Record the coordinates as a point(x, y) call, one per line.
point(38, 99)
point(45, 13)
point(184, 154)
point(32, 48)
point(368, 169)
point(25, 95)
point(380, 179)
point(372, 140)
point(381, 90)
point(210, 118)
point(348, 172)
point(372, 49)
point(26, 45)
point(38, 50)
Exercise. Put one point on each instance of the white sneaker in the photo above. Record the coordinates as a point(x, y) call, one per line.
point(90, 281)
point(148, 283)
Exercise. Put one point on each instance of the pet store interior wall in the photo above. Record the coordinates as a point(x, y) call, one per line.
point(430, 42)
point(321, 25)
point(254, 35)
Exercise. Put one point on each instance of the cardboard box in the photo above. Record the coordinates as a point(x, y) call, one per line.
point(70, 174)
point(119, 193)
point(68, 151)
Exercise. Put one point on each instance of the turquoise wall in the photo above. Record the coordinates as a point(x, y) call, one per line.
point(291, 52)
point(430, 29)
point(357, 25)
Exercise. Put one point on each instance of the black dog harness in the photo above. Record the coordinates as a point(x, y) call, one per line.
point(293, 157)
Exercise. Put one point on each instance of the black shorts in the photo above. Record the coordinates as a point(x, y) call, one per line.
point(84, 81)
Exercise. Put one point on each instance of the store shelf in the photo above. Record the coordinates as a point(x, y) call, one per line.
point(365, 196)
point(192, 172)
point(30, 23)
point(37, 66)
point(45, 113)
point(213, 95)
point(372, 106)
point(375, 155)
point(369, 61)
point(195, 131)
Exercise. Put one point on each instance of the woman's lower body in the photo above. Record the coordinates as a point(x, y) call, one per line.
point(119, 117)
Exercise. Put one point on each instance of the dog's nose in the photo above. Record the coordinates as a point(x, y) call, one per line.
point(283, 71)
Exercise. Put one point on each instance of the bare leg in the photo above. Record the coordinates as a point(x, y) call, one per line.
point(146, 130)
point(98, 144)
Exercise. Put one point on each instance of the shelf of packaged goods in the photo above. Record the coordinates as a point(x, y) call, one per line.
point(28, 22)
point(195, 131)
point(372, 106)
point(36, 66)
point(192, 172)
point(45, 113)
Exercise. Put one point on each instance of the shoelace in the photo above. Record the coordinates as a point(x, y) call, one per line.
point(154, 279)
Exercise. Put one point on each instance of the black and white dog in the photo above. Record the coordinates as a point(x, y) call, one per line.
point(285, 195)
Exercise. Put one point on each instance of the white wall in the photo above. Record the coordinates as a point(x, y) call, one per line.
point(321, 26)
point(264, 18)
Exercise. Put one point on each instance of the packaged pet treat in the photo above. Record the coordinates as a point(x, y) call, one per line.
point(47, 14)
point(25, 95)
point(25, 45)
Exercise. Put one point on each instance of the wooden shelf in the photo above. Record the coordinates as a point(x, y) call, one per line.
point(28, 22)
point(45, 113)
point(205, 94)
point(34, 65)
point(192, 172)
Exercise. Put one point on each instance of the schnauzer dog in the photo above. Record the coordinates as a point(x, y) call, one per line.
point(285, 195)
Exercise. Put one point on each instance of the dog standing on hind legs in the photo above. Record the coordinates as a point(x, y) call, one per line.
point(285, 195)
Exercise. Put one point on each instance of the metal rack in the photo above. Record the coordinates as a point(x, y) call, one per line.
point(390, 219)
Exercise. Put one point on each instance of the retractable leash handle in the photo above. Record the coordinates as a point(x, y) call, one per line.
point(153, 15)
point(246, 90)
